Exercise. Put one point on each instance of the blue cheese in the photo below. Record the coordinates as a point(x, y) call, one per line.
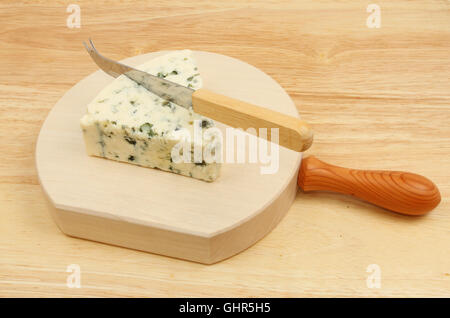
point(127, 123)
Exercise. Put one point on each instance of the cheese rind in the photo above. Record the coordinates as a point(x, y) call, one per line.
point(126, 122)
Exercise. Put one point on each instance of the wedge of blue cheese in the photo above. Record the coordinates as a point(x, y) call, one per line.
point(127, 123)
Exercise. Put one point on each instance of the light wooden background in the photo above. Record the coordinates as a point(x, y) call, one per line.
point(377, 98)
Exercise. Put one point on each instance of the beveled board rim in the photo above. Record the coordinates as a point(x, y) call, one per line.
point(206, 61)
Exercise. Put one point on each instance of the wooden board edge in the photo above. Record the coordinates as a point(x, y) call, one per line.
point(205, 250)
point(130, 235)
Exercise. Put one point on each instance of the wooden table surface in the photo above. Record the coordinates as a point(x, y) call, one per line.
point(378, 98)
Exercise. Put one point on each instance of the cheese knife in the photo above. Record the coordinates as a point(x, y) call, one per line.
point(401, 192)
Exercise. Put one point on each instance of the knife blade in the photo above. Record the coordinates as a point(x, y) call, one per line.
point(161, 87)
point(165, 89)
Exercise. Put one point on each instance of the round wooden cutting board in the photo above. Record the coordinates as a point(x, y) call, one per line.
point(161, 212)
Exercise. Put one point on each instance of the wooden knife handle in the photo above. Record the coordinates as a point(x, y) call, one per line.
point(402, 192)
point(294, 133)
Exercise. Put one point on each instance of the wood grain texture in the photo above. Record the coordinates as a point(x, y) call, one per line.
point(403, 192)
point(376, 98)
point(293, 133)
